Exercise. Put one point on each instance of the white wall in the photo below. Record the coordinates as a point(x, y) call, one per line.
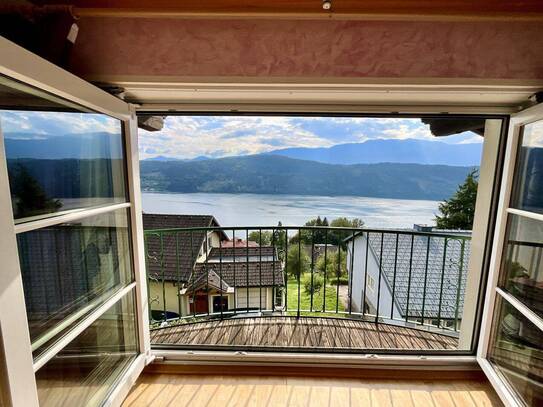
point(357, 280)
point(172, 302)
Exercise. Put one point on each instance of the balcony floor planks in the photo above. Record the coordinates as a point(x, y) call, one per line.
point(289, 332)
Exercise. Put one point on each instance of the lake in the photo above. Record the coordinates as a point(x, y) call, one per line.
point(292, 210)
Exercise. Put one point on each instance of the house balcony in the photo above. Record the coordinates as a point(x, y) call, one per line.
point(308, 289)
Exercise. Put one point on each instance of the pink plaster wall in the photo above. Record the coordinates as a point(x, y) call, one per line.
point(287, 48)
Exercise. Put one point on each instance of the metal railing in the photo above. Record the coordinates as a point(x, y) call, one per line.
point(402, 277)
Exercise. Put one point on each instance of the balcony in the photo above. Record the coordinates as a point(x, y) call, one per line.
point(305, 288)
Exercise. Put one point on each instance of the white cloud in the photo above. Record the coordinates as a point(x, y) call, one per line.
point(533, 134)
point(186, 137)
point(56, 123)
point(192, 136)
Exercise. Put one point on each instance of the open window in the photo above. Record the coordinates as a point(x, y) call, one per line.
point(331, 214)
point(511, 351)
point(71, 288)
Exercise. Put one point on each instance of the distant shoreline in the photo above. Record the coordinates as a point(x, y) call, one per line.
point(145, 191)
point(234, 210)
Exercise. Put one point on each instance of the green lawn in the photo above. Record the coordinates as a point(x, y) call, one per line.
point(305, 300)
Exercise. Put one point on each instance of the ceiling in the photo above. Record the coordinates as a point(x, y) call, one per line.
point(345, 8)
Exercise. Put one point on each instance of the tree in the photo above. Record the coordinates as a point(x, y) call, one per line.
point(30, 197)
point(458, 211)
point(321, 236)
point(337, 237)
point(330, 267)
point(263, 239)
point(297, 261)
point(309, 236)
point(275, 237)
point(312, 284)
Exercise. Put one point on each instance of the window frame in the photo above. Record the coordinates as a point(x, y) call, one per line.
point(487, 195)
point(29, 69)
point(493, 290)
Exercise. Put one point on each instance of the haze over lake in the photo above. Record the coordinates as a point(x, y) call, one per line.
point(292, 210)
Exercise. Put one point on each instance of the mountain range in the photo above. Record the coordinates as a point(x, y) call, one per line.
point(390, 150)
point(274, 174)
point(410, 169)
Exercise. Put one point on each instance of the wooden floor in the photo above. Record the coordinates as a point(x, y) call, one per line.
point(289, 332)
point(159, 390)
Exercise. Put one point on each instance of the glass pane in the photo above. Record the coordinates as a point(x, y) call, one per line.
point(522, 268)
point(83, 373)
point(69, 269)
point(59, 157)
point(528, 183)
point(517, 352)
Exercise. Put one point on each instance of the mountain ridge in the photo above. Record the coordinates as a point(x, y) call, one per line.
point(389, 150)
point(274, 174)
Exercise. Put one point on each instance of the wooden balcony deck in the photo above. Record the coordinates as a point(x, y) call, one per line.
point(313, 333)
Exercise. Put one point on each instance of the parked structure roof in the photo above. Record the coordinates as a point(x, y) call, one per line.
point(433, 280)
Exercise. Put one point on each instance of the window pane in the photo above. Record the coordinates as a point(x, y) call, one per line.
point(522, 268)
point(85, 370)
point(71, 268)
point(59, 158)
point(528, 183)
point(517, 352)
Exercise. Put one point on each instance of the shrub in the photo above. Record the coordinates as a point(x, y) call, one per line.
point(331, 264)
point(312, 286)
point(343, 280)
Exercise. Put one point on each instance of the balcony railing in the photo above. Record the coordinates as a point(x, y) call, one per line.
point(402, 278)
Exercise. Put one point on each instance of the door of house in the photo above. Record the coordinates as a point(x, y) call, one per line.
point(199, 304)
point(511, 346)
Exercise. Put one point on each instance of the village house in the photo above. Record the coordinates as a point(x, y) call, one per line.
point(419, 274)
point(205, 272)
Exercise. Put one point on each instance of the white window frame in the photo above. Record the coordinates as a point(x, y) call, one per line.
point(483, 217)
point(504, 390)
point(23, 66)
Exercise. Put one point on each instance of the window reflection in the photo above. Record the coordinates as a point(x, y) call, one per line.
point(522, 268)
point(85, 370)
point(71, 268)
point(58, 158)
point(517, 352)
point(528, 191)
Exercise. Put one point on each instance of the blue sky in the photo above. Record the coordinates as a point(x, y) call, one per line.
point(218, 136)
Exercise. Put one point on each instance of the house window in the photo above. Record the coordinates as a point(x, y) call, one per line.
point(54, 167)
point(370, 282)
point(278, 296)
point(220, 303)
point(71, 268)
point(515, 346)
point(68, 184)
point(107, 346)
